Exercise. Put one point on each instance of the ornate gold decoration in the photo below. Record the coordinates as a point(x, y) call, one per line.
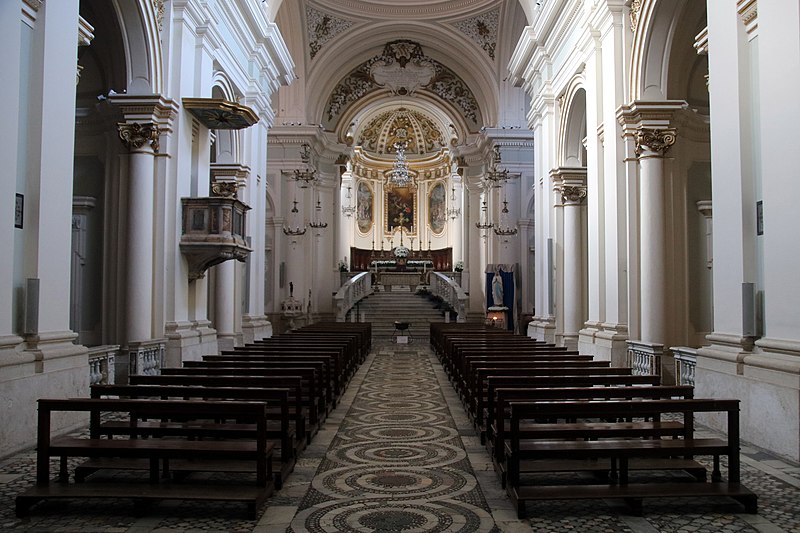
point(418, 131)
point(573, 193)
point(636, 6)
point(225, 189)
point(158, 6)
point(658, 141)
point(220, 114)
point(135, 134)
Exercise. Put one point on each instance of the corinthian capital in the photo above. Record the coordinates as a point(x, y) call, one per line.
point(573, 193)
point(657, 141)
point(135, 134)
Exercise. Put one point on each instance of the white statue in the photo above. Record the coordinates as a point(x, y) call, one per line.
point(497, 288)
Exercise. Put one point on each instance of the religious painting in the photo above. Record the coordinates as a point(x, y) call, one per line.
point(437, 208)
point(364, 207)
point(400, 210)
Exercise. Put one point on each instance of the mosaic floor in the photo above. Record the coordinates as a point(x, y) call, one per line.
point(399, 455)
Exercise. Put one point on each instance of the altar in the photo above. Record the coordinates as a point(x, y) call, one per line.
point(395, 279)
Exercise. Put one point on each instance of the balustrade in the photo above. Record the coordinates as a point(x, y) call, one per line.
point(645, 357)
point(685, 364)
point(102, 364)
point(353, 290)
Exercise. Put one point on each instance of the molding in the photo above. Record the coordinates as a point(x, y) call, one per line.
point(748, 12)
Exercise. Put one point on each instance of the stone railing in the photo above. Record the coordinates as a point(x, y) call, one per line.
point(451, 292)
point(353, 290)
point(146, 357)
point(645, 357)
point(685, 364)
point(102, 364)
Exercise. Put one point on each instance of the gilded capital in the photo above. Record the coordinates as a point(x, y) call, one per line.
point(573, 193)
point(636, 7)
point(135, 134)
point(657, 141)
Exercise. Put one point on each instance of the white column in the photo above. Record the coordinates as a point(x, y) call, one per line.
point(456, 225)
point(572, 197)
point(346, 225)
point(225, 308)
point(142, 141)
point(652, 144)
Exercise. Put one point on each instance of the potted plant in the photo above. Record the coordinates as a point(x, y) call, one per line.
point(459, 266)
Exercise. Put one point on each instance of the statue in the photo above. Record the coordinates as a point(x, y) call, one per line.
point(291, 289)
point(497, 288)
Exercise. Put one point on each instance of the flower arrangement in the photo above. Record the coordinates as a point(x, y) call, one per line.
point(401, 251)
point(343, 265)
point(459, 266)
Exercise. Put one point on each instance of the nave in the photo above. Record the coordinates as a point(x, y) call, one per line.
point(399, 454)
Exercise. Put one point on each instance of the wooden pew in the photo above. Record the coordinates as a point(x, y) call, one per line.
point(477, 392)
point(256, 450)
point(313, 397)
point(622, 450)
point(498, 423)
point(279, 430)
point(297, 411)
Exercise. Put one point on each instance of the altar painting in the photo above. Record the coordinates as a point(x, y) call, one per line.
point(364, 207)
point(400, 209)
point(437, 208)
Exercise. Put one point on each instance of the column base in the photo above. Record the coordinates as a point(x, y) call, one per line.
point(765, 376)
point(611, 343)
point(255, 328)
point(189, 341)
point(586, 338)
point(543, 329)
point(47, 365)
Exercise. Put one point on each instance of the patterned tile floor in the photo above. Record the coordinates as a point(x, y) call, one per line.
point(399, 455)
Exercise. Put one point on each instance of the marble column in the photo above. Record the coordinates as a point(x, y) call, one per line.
point(142, 141)
point(572, 196)
point(651, 147)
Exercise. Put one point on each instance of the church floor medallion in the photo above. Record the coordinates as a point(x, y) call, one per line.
point(397, 462)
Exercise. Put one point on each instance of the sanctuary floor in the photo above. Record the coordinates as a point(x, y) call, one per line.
point(399, 454)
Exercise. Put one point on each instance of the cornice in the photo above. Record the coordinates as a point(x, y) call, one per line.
point(407, 9)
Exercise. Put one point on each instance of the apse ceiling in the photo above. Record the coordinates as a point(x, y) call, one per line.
point(438, 63)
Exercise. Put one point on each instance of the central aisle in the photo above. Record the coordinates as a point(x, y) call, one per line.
point(397, 462)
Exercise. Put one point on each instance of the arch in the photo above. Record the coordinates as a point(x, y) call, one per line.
point(652, 45)
point(449, 48)
point(140, 36)
point(572, 131)
point(227, 144)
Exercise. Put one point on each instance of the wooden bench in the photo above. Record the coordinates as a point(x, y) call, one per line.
point(255, 450)
point(297, 411)
point(279, 430)
point(622, 450)
point(313, 396)
point(476, 394)
point(497, 418)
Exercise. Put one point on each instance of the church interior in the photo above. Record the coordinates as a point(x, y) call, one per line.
point(379, 208)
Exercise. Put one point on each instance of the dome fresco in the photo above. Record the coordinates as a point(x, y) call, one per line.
point(419, 131)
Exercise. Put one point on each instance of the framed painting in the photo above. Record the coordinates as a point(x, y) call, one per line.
point(364, 207)
point(437, 208)
point(400, 208)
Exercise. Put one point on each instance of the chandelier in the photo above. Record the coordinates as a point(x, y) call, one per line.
point(349, 209)
point(505, 230)
point(309, 173)
point(400, 175)
point(484, 224)
point(296, 231)
point(453, 211)
point(495, 175)
point(317, 223)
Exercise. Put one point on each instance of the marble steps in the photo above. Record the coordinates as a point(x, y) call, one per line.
point(382, 309)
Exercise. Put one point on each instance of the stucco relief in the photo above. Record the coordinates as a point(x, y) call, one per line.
point(482, 30)
point(397, 56)
point(322, 27)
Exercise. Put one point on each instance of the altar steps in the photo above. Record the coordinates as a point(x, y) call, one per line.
point(383, 308)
